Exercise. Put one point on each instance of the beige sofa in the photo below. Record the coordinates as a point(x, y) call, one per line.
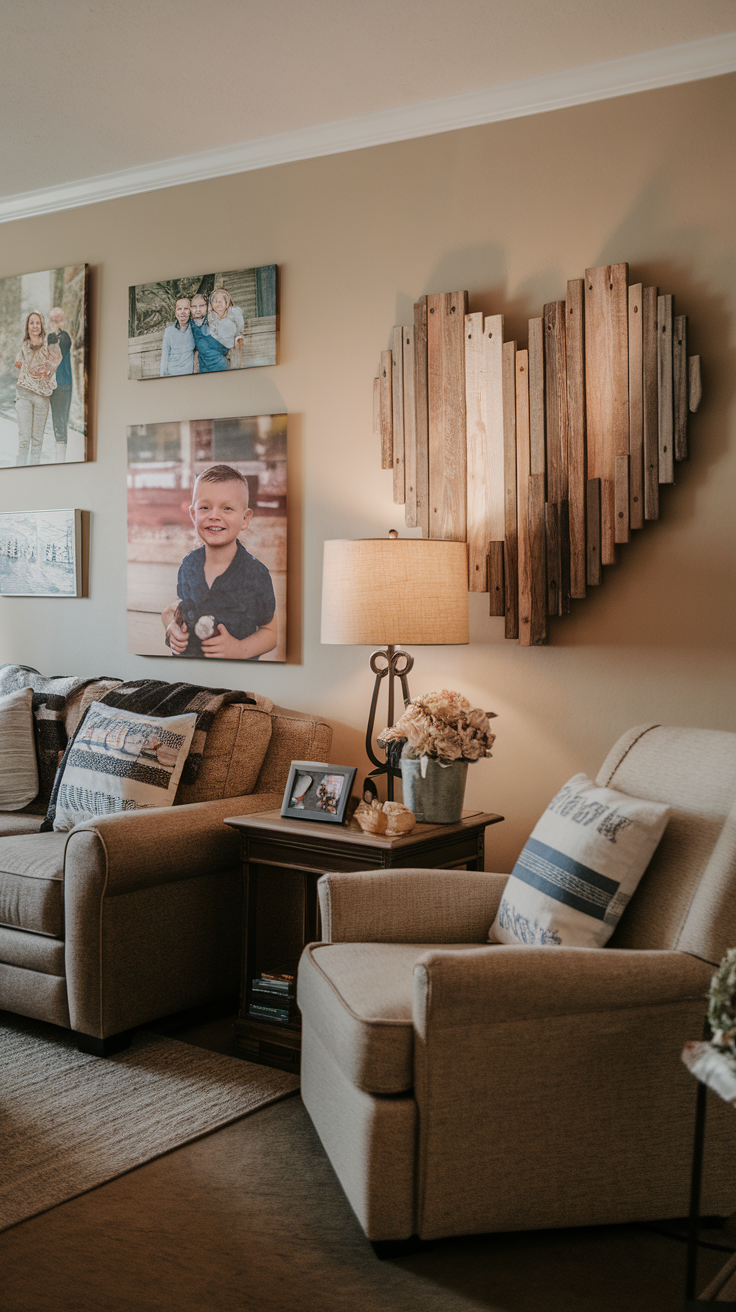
point(462, 1088)
point(136, 916)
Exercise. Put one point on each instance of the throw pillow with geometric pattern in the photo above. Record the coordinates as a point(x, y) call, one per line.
point(122, 762)
point(578, 870)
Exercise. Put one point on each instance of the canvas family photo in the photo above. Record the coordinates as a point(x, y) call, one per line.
point(43, 367)
point(41, 553)
point(205, 323)
point(207, 539)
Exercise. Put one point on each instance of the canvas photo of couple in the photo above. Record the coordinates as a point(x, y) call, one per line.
point(206, 323)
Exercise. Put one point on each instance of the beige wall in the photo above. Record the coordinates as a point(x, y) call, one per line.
point(510, 211)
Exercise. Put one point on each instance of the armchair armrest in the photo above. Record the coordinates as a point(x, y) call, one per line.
point(142, 849)
point(504, 983)
point(409, 906)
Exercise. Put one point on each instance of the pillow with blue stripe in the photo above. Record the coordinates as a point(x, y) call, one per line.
point(579, 868)
point(120, 761)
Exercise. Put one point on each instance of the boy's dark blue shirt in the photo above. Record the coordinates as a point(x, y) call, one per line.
point(212, 354)
point(242, 598)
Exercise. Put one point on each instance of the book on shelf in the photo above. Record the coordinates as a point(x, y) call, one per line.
point(261, 1011)
point(274, 987)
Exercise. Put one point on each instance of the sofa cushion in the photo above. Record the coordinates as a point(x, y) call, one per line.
point(31, 883)
point(18, 764)
point(121, 762)
point(358, 999)
point(233, 755)
point(19, 822)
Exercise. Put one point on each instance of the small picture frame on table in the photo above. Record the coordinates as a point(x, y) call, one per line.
point(318, 791)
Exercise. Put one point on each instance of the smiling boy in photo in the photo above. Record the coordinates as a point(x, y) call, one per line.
point(221, 579)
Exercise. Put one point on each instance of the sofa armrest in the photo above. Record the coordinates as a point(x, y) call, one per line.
point(142, 849)
point(507, 983)
point(409, 906)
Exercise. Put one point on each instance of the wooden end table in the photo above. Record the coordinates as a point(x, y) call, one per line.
point(282, 861)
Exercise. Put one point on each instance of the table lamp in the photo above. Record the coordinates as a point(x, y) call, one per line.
point(390, 592)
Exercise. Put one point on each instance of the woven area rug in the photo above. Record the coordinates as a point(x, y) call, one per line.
point(69, 1122)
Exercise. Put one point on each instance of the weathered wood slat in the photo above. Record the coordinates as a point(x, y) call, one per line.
point(606, 386)
point(694, 384)
point(537, 445)
point(538, 560)
point(421, 413)
point(447, 455)
point(522, 497)
point(397, 402)
point(377, 405)
point(555, 395)
point(679, 384)
point(387, 444)
point(593, 500)
point(511, 574)
point(410, 431)
point(496, 587)
point(664, 387)
point(621, 488)
point(576, 459)
point(636, 407)
point(650, 404)
point(563, 519)
point(484, 423)
point(552, 534)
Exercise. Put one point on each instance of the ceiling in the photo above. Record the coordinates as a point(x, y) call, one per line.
point(93, 87)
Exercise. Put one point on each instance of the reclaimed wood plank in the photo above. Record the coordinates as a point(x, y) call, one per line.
point(552, 535)
point(511, 574)
point(397, 402)
point(377, 405)
point(606, 386)
point(636, 407)
point(410, 430)
point(650, 404)
point(421, 411)
point(447, 455)
point(679, 384)
point(563, 519)
point(593, 506)
point(537, 443)
point(621, 490)
point(664, 390)
point(538, 559)
point(694, 383)
point(484, 426)
point(522, 497)
point(496, 587)
point(576, 457)
point(387, 423)
point(555, 396)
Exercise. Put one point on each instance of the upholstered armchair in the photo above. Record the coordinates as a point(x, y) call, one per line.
point(459, 1087)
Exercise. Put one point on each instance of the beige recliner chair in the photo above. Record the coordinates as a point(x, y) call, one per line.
point(460, 1088)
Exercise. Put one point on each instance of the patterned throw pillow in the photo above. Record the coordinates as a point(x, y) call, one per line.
point(579, 868)
point(122, 762)
point(18, 765)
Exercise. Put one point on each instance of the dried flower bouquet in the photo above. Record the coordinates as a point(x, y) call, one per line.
point(441, 726)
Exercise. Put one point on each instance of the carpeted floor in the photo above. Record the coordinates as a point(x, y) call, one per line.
point(252, 1219)
point(69, 1121)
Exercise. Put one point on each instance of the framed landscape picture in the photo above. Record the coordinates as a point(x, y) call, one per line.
point(41, 553)
point(207, 538)
point(43, 367)
point(203, 323)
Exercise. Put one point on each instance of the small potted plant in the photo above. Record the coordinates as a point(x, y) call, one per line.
point(439, 733)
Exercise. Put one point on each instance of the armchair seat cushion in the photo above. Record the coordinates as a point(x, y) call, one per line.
point(31, 883)
point(357, 997)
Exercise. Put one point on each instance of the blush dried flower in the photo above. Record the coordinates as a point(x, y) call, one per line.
point(443, 726)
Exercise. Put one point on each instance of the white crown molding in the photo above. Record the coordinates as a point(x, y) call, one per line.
point(576, 86)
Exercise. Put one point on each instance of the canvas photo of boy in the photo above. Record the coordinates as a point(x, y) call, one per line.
point(207, 539)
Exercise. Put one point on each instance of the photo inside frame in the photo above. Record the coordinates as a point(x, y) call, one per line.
point(317, 790)
point(166, 557)
point(203, 323)
point(43, 391)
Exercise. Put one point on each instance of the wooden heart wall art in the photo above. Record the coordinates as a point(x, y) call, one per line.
point(544, 459)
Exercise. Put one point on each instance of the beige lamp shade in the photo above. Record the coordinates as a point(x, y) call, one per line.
point(395, 592)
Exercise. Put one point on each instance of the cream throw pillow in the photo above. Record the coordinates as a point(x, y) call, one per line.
point(18, 764)
point(579, 868)
point(122, 762)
